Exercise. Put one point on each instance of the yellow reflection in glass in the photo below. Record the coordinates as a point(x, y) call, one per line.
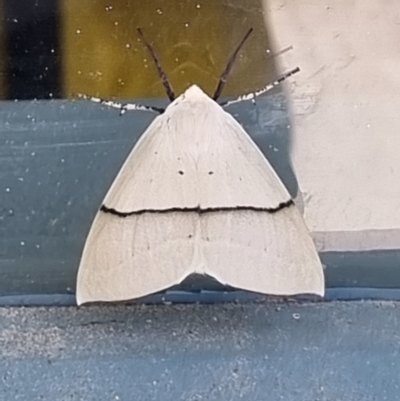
point(103, 55)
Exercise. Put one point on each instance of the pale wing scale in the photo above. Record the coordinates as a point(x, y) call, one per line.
point(126, 258)
point(262, 252)
point(195, 154)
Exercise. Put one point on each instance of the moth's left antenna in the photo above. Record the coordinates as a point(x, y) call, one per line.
point(224, 76)
point(168, 88)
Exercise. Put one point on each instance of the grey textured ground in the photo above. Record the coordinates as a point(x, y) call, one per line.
point(275, 351)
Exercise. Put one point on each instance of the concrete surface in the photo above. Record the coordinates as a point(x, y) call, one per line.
point(274, 351)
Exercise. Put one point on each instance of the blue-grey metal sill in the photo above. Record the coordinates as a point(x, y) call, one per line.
point(208, 297)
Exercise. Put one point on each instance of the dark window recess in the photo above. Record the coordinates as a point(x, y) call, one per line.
point(33, 64)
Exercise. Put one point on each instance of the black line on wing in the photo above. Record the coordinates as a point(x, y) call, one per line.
point(198, 210)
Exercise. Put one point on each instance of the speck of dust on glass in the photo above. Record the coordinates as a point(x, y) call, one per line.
point(85, 87)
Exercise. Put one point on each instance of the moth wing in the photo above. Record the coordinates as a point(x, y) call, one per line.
point(154, 175)
point(233, 172)
point(270, 253)
point(127, 258)
point(195, 155)
point(169, 168)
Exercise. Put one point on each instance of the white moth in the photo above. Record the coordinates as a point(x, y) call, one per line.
point(196, 195)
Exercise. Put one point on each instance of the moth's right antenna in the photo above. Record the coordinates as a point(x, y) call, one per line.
point(252, 96)
point(224, 76)
point(168, 88)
